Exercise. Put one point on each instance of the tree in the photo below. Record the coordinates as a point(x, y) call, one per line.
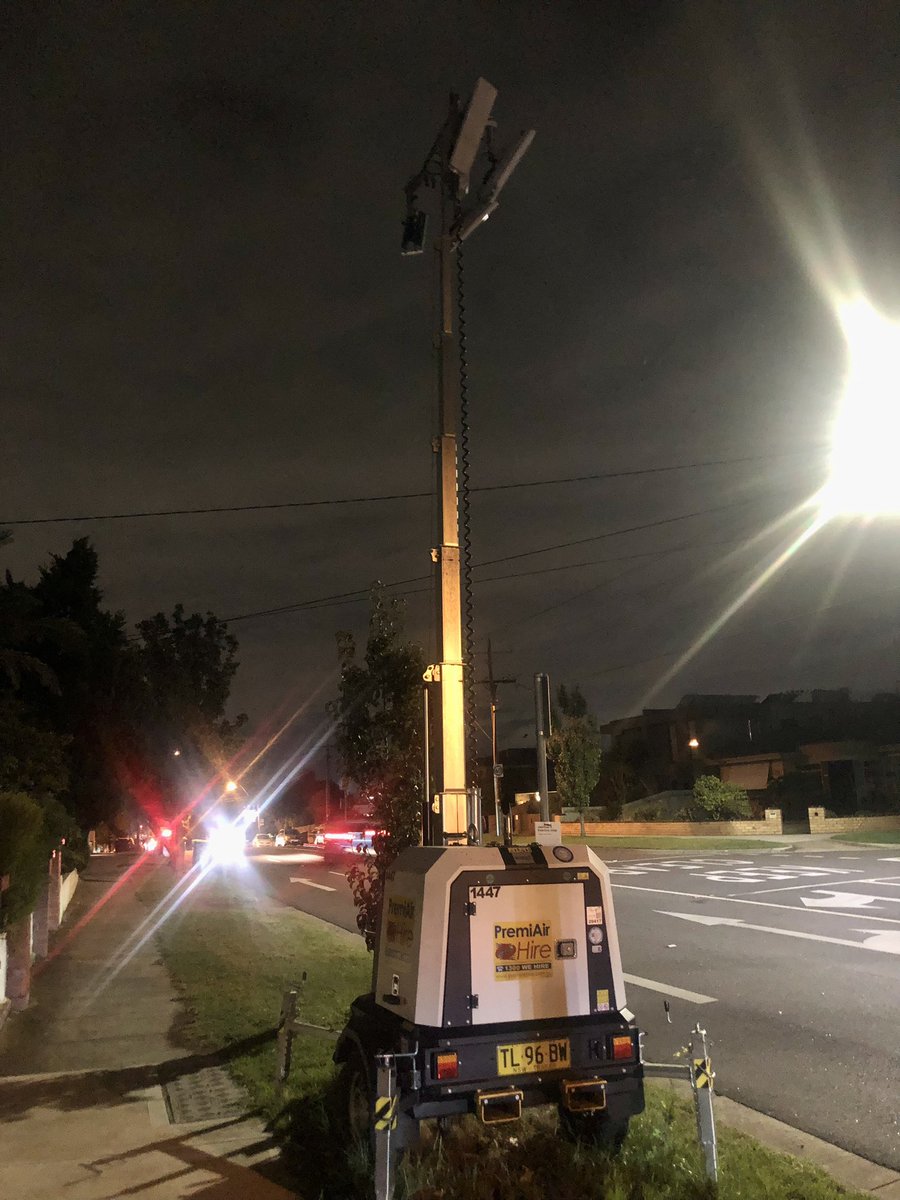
point(185, 666)
point(379, 738)
point(24, 854)
point(118, 707)
point(718, 801)
point(96, 689)
point(575, 750)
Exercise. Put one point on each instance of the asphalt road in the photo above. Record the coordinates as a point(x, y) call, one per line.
point(790, 960)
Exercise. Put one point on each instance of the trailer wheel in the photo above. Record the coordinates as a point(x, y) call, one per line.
point(594, 1129)
point(355, 1098)
point(356, 1102)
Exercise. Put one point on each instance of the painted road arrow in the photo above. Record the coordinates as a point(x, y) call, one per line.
point(323, 887)
point(887, 942)
point(823, 899)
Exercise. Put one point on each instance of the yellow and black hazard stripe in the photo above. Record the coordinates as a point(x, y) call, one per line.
point(386, 1112)
point(703, 1075)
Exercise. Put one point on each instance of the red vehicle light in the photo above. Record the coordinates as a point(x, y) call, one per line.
point(446, 1066)
point(622, 1047)
point(338, 837)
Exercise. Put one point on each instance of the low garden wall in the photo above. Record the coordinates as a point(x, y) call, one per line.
point(5, 1006)
point(770, 825)
point(67, 887)
point(820, 823)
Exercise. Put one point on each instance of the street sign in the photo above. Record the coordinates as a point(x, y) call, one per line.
point(547, 833)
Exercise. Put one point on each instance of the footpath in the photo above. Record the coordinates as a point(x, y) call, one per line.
point(98, 1101)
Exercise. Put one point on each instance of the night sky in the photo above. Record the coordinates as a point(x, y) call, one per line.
point(204, 304)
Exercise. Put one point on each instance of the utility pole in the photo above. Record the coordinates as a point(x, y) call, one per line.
point(497, 767)
point(542, 730)
point(448, 168)
point(327, 780)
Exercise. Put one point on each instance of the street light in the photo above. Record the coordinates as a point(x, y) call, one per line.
point(231, 786)
point(693, 746)
point(864, 480)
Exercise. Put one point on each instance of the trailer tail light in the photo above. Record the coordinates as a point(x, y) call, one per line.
point(622, 1047)
point(445, 1066)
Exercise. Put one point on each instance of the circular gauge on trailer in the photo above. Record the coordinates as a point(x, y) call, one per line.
point(595, 935)
point(563, 853)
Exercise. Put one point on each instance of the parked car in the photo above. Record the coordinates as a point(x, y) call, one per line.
point(264, 840)
point(338, 839)
point(124, 845)
point(289, 836)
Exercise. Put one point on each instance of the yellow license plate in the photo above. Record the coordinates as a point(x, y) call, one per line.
point(522, 1058)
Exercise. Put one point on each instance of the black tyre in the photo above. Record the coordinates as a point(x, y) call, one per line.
point(355, 1099)
point(594, 1129)
point(355, 1105)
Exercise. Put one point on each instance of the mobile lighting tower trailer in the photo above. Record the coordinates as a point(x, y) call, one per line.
point(497, 980)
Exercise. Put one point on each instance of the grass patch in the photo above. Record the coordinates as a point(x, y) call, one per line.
point(885, 838)
point(651, 842)
point(659, 1161)
point(232, 955)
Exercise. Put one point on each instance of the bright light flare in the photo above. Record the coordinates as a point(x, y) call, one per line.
point(864, 479)
point(165, 832)
point(150, 844)
point(225, 847)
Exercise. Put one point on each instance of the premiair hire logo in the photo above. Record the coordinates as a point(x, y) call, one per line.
point(523, 950)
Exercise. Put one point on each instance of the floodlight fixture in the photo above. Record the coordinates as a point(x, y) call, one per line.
point(497, 177)
point(863, 478)
point(470, 223)
point(494, 182)
point(415, 226)
point(471, 131)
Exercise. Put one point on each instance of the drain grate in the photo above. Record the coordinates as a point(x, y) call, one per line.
point(206, 1095)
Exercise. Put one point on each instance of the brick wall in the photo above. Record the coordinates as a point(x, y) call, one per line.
point(819, 823)
point(771, 825)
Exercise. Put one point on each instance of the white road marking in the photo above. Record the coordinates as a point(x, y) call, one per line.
point(633, 887)
point(668, 990)
point(760, 874)
point(799, 887)
point(889, 860)
point(323, 887)
point(849, 857)
point(884, 941)
point(341, 873)
point(826, 899)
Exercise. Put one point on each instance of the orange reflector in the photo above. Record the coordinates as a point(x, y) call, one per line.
point(622, 1047)
point(446, 1066)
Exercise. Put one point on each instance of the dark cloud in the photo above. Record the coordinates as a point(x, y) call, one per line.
point(203, 304)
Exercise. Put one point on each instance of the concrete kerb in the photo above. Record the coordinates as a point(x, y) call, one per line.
point(847, 1169)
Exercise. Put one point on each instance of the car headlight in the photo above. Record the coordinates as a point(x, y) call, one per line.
point(226, 845)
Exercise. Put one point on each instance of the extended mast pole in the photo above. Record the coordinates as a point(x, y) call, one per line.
point(449, 166)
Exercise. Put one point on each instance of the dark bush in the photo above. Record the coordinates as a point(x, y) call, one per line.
point(24, 853)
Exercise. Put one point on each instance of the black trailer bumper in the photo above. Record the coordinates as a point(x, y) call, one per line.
point(500, 1069)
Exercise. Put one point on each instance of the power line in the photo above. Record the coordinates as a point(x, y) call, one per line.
point(340, 500)
point(798, 616)
point(596, 537)
point(361, 594)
